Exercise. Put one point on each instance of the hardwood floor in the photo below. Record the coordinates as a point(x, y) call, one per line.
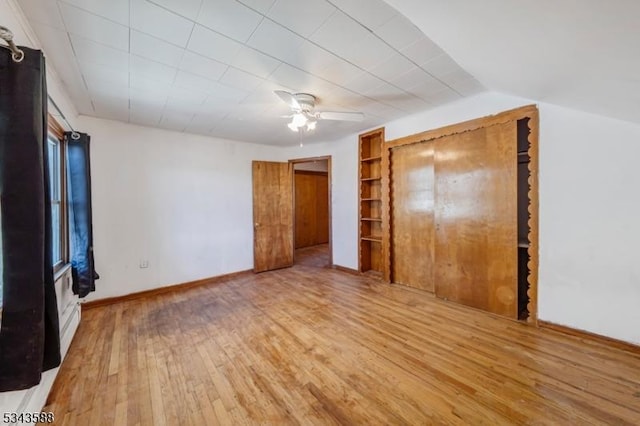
point(309, 345)
point(317, 256)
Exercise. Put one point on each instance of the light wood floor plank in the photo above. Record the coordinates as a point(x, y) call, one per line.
point(310, 345)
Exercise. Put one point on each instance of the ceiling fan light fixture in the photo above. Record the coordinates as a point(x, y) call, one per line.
point(305, 116)
point(299, 120)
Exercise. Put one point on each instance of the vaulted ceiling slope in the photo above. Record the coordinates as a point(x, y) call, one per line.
point(580, 54)
point(210, 66)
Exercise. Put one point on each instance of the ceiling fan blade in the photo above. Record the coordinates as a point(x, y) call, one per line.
point(341, 116)
point(288, 99)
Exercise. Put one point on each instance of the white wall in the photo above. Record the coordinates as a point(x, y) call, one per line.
point(181, 202)
point(589, 226)
point(589, 276)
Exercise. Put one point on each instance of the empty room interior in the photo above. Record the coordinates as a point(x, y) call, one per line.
point(352, 212)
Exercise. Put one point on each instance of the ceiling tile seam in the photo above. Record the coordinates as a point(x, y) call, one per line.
point(219, 80)
point(337, 84)
point(133, 54)
point(173, 12)
point(91, 13)
point(184, 129)
point(398, 51)
point(191, 121)
point(84, 83)
point(129, 59)
point(249, 93)
point(321, 25)
point(167, 102)
point(177, 69)
point(160, 39)
point(184, 49)
point(209, 129)
point(256, 10)
point(300, 69)
point(235, 67)
point(150, 60)
point(252, 32)
point(275, 58)
point(139, 56)
point(339, 57)
point(75, 55)
point(293, 66)
point(361, 24)
point(96, 42)
point(164, 107)
point(164, 110)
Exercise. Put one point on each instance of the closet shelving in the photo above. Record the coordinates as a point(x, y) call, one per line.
point(370, 200)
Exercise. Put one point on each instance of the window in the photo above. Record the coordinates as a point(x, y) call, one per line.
point(57, 182)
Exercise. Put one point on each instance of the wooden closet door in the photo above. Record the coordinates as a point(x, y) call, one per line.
point(412, 215)
point(305, 201)
point(311, 208)
point(322, 209)
point(476, 219)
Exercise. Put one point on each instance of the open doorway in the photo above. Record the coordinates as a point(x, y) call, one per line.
point(312, 211)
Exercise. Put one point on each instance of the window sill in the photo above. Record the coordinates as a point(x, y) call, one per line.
point(60, 271)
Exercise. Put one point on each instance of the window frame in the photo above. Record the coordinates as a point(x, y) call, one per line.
point(56, 132)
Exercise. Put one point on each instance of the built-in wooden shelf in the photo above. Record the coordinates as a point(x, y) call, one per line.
point(372, 238)
point(370, 214)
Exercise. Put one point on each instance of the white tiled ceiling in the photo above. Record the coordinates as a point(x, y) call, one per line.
point(229, 17)
point(210, 66)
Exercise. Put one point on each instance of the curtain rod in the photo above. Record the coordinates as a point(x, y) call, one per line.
point(16, 54)
point(74, 135)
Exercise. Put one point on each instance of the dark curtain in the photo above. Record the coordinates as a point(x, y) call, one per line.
point(80, 223)
point(29, 333)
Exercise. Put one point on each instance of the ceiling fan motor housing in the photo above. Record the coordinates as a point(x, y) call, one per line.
point(307, 102)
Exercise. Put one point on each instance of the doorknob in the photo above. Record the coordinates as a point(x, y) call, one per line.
point(256, 224)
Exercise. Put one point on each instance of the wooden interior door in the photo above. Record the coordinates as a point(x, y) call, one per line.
point(311, 208)
point(412, 215)
point(272, 216)
point(322, 208)
point(476, 218)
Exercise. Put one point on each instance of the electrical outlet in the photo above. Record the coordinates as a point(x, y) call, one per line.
point(144, 263)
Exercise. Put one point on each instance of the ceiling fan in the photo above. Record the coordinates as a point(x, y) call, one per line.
point(302, 106)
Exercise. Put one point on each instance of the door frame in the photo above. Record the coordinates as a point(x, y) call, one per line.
point(293, 188)
point(528, 111)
